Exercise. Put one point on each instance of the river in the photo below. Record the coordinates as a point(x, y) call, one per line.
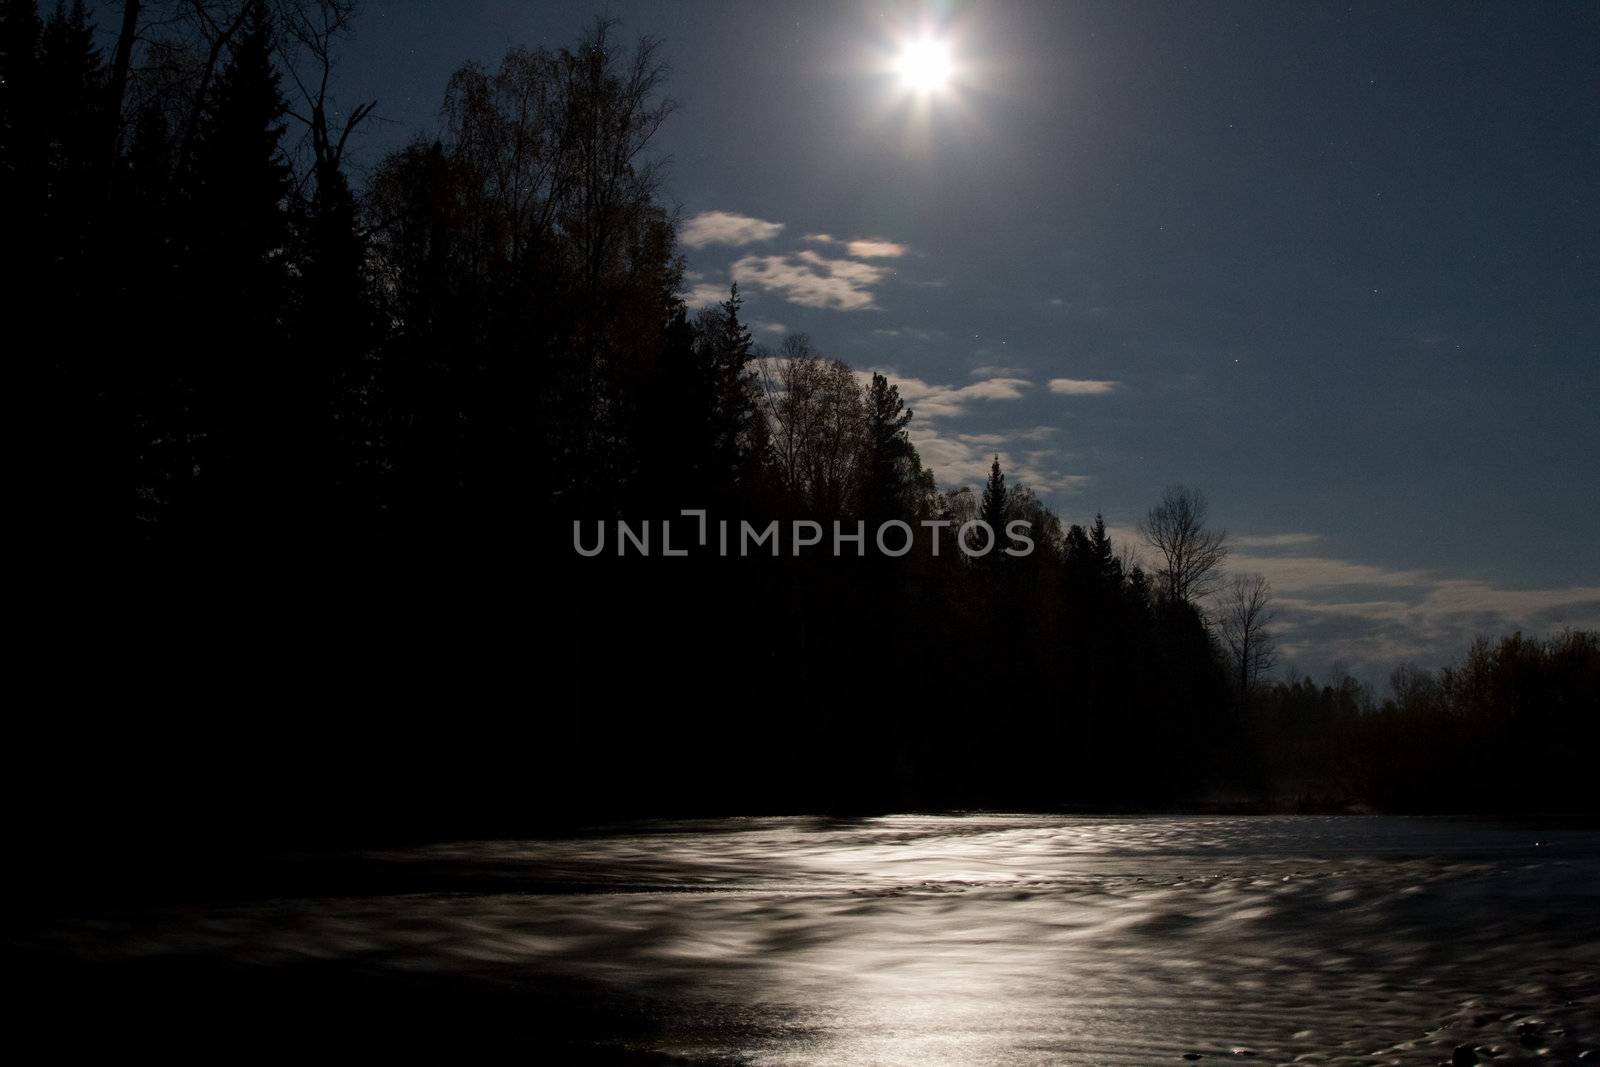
point(948, 939)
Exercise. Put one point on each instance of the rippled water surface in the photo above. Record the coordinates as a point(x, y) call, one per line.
point(977, 939)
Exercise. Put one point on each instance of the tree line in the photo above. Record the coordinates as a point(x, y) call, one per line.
point(326, 438)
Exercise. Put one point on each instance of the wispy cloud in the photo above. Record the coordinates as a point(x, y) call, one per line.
point(705, 293)
point(1431, 627)
point(813, 280)
point(726, 228)
point(860, 247)
point(1373, 618)
point(873, 248)
point(932, 401)
point(1082, 386)
point(963, 459)
point(916, 333)
point(1280, 540)
point(988, 371)
point(996, 388)
point(1320, 573)
point(1369, 618)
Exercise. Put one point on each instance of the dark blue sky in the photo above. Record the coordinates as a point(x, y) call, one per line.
point(1339, 261)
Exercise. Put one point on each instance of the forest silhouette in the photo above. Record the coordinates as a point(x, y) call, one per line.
point(314, 445)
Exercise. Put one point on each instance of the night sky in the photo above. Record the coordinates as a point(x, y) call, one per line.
point(1334, 265)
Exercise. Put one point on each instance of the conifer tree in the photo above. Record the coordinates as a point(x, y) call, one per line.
point(71, 79)
point(19, 88)
point(1108, 569)
point(886, 490)
point(239, 180)
point(236, 275)
point(62, 166)
point(331, 336)
point(70, 91)
point(22, 152)
point(994, 507)
point(1078, 555)
point(734, 428)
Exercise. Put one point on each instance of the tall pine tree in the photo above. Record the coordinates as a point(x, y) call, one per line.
point(996, 503)
point(732, 426)
point(890, 483)
point(237, 392)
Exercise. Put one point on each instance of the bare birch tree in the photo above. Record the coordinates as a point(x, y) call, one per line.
point(1245, 616)
point(1190, 554)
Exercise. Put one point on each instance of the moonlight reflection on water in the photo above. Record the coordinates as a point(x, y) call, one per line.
point(983, 939)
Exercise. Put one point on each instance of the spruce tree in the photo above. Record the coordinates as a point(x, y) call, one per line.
point(62, 167)
point(886, 492)
point(330, 337)
point(1108, 569)
point(239, 180)
point(22, 125)
point(733, 426)
point(71, 93)
point(1078, 555)
point(995, 504)
point(236, 275)
point(71, 83)
point(20, 97)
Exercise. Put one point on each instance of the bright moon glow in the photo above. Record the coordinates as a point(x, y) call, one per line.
point(924, 65)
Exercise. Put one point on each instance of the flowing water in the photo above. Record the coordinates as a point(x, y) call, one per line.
point(981, 939)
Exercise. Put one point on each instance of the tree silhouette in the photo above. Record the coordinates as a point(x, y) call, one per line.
point(1244, 618)
point(1190, 553)
point(995, 507)
point(734, 429)
point(894, 485)
point(286, 397)
point(236, 187)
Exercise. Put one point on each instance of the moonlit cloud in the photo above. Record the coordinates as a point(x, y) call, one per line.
point(873, 249)
point(1282, 540)
point(812, 280)
point(948, 401)
point(1369, 618)
point(726, 228)
point(1082, 386)
point(963, 459)
point(1000, 372)
point(1427, 625)
point(705, 293)
point(1319, 573)
point(914, 332)
point(996, 388)
point(983, 440)
point(860, 248)
point(1373, 618)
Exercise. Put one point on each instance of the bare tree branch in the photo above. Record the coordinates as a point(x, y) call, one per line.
point(1190, 554)
point(1244, 619)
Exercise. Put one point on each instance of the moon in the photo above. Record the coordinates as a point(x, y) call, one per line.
point(924, 65)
